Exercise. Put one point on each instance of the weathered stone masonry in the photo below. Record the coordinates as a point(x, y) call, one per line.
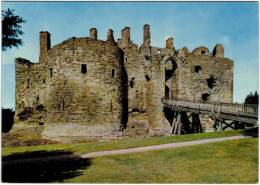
point(92, 88)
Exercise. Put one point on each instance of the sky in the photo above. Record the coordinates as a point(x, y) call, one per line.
point(191, 24)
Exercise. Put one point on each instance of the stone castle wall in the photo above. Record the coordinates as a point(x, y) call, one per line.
point(104, 86)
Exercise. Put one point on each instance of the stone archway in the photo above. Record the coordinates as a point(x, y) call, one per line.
point(170, 77)
point(170, 86)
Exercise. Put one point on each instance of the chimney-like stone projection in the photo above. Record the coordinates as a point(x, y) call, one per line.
point(147, 35)
point(218, 51)
point(45, 44)
point(125, 37)
point(169, 43)
point(93, 33)
point(110, 37)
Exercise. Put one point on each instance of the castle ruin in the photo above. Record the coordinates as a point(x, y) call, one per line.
point(86, 87)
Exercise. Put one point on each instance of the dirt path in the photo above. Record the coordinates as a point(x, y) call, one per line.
point(159, 147)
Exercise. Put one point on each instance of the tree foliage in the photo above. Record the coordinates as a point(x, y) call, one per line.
point(7, 119)
point(252, 98)
point(11, 29)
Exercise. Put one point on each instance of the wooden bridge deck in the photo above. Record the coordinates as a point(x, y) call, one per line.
point(230, 111)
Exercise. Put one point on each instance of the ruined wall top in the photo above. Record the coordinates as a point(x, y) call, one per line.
point(218, 51)
point(200, 51)
point(20, 60)
point(125, 41)
point(45, 44)
point(147, 35)
point(93, 33)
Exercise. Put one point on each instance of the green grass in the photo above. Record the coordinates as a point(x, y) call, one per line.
point(117, 144)
point(234, 161)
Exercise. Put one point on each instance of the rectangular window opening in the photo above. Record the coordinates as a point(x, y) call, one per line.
point(50, 72)
point(197, 69)
point(28, 83)
point(113, 73)
point(83, 68)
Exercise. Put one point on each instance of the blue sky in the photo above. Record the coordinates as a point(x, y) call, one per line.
point(191, 24)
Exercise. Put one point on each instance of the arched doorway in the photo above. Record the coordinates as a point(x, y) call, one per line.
point(170, 78)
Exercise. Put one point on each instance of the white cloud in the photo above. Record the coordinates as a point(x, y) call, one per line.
point(225, 40)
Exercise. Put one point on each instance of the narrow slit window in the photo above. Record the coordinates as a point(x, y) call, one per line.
point(83, 68)
point(28, 83)
point(132, 82)
point(113, 73)
point(37, 100)
point(50, 72)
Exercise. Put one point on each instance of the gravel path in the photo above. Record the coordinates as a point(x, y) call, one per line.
point(121, 151)
point(159, 147)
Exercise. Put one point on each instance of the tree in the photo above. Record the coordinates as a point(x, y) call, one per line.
point(252, 98)
point(11, 29)
point(7, 119)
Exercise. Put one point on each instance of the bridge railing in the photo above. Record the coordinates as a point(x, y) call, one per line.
point(215, 107)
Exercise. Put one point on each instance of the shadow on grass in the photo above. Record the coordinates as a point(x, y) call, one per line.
point(42, 166)
point(253, 132)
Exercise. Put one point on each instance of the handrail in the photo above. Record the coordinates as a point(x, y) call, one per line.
point(233, 108)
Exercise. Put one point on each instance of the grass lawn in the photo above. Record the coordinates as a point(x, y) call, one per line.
point(81, 148)
point(223, 162)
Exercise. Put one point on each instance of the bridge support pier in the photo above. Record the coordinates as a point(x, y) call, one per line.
point(196, 124)
point(176, 125)
point(222, 124)
point(182, 125)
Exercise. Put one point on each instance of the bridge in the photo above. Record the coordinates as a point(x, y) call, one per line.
point(224, 114)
